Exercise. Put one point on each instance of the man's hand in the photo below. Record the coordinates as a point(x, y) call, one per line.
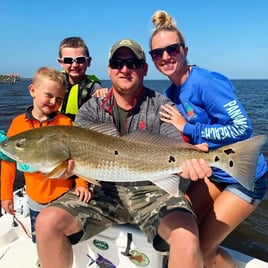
point(195, 169)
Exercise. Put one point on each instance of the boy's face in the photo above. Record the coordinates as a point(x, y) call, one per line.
point(47, 97)
point(76, 71)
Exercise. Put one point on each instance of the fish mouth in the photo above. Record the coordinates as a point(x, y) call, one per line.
point(36, 166)
point(10, 155)
point(4, 149)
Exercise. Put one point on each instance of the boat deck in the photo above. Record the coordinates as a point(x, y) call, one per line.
point(17, 249)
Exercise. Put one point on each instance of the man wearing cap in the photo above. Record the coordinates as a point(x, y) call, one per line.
point(168, 222)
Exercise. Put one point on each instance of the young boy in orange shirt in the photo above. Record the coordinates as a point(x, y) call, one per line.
point(47, 90)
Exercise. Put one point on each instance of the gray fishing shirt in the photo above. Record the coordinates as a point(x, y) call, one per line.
point(144, 115)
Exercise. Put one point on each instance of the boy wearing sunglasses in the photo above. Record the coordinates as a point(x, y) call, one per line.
point(167, 221)
point(74, 58)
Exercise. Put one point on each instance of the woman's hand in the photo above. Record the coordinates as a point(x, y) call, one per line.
point(170, 114)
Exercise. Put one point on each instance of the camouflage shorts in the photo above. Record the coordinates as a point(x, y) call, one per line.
point(141, 205)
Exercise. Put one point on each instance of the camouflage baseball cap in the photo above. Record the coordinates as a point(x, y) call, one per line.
point(134, 46)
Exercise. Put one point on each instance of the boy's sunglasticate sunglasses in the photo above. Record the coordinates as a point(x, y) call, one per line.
point(172, 50)
point(70, 60)
point(130, 63)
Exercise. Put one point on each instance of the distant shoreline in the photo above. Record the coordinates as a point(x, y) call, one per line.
point(9, 78)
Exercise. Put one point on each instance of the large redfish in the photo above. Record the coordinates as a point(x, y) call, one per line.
point(99, 153)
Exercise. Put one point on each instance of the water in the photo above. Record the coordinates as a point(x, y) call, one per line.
point(251, 237)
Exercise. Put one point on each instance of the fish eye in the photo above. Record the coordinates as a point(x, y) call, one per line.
point(19, 144)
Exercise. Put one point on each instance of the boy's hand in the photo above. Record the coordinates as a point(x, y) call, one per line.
point(83, 193)
point(8, 206)
point(101, 93)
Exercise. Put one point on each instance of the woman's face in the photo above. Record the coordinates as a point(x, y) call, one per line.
point(168, 55)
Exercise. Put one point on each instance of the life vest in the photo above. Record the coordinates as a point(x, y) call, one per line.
point(77, 94)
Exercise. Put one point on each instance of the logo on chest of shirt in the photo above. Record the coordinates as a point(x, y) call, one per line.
point(189, 111)
point(142, 125)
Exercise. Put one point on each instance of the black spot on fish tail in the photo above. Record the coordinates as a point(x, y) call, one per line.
point(171, 159)
point(217, 159)
point(116, 153)
point(229, 151)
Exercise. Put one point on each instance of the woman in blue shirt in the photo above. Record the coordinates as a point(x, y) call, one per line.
point(208, 111)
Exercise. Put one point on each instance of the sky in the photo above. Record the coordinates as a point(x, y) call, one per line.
point(227, 36)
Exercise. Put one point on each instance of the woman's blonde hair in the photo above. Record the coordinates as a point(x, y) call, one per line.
point(164, 22)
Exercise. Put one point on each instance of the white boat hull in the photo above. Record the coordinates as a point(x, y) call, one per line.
point(17, 250)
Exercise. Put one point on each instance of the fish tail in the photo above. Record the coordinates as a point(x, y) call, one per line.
point(242, 158)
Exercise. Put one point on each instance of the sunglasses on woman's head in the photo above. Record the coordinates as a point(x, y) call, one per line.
point(172, 50)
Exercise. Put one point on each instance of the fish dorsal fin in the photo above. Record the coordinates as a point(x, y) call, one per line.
point(144, 136)
point(104, 128)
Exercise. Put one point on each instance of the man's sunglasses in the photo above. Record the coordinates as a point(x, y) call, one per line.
point(70, 60)
point(130, 63)
point(172, 50)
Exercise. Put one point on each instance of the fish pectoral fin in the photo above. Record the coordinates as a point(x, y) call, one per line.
point(58, 171)
point(90, 180)
point(169, 184)
point(93, 181)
